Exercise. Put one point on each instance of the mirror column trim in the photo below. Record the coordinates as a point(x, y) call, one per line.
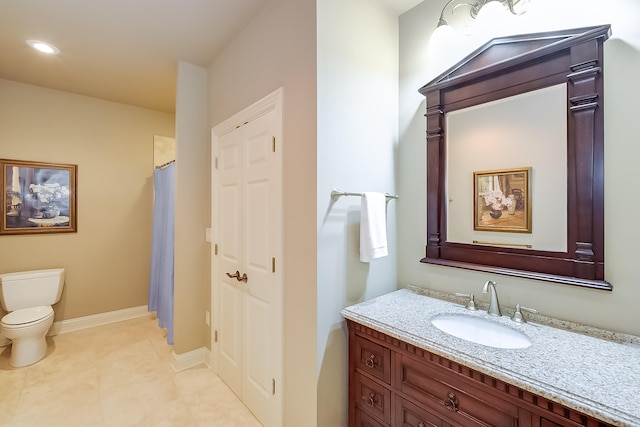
point(436, 167)
point(584, 87)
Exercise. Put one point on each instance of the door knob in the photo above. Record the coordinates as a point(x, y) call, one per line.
point(237, 276)
point(234, 276)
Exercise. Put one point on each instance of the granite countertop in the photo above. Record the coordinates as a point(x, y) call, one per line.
point(598, 377)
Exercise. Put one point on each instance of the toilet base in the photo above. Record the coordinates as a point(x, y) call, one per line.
point(29, 342)
point(27, 351)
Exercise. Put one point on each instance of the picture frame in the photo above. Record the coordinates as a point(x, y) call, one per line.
point(502, 200)
point(38, 197)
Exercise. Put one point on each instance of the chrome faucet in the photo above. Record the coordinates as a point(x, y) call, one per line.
point(494, 305)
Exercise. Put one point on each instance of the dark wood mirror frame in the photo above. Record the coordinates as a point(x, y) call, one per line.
point(510, 66)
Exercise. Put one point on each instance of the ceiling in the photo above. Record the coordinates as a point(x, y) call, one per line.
point(121, 50)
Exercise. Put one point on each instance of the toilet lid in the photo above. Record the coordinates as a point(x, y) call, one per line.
point(27, 315)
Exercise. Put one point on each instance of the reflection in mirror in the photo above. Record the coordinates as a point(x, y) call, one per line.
point(529, 130)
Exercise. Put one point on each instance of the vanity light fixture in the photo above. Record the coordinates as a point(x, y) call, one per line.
point(43, 47)
point(487, 7)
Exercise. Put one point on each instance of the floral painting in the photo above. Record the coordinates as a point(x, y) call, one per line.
point(502, 200)
point(38, 197)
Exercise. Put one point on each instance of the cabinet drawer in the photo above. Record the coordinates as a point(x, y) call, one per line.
point(372, 358)
point(409, 415)
point(372, 398)
point(364, 420)
point(446, 392)
point(546, 423)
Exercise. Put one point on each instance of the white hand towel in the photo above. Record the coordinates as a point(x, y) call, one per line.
point(373, 227)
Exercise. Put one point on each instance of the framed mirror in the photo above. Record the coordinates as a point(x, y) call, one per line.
point(515, 168)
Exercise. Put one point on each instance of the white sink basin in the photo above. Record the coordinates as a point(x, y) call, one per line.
point(480, 331)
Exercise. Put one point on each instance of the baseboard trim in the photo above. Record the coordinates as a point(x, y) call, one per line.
point(184, 361)
point(100, 319)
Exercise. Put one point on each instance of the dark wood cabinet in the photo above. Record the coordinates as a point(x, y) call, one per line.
point(364, 420)
point(393, 383)
point(547, 423)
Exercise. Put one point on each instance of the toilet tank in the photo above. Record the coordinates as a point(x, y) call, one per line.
point(27, 289)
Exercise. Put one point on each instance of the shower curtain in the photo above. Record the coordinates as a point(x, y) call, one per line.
point(162, 245)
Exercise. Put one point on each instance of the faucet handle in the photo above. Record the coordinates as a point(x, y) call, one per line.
point(471, 305)
point(518, 317)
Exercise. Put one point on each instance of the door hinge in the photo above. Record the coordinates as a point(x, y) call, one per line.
point(215, 336)
point(273, 265)
point(274, 144)
point(215, 249)
point(273, 386)
point(216, 163)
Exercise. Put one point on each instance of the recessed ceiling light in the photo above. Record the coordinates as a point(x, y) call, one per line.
point(43, 47)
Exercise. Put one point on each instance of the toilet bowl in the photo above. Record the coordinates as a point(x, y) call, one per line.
point(27, 329)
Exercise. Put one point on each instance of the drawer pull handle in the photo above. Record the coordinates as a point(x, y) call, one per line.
point(371, 361)
point(371, 400)
point(421, 424)
point(451, 402)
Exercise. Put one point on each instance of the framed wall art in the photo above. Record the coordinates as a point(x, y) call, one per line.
point(38, 197)
point(502, 200)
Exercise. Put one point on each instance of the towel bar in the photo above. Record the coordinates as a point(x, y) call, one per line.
point(335, 195)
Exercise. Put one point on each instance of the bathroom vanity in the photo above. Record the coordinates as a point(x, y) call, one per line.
point(403, 371)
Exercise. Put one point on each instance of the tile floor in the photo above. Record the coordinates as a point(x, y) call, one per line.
point(115, 375)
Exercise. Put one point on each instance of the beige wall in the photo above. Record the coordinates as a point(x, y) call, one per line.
point(107, 260)
point(277, 49)
point(615, 310)
point(193, 210)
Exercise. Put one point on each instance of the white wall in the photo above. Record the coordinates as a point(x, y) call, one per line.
point(277, 49)
point(615, 310)
point(357, 137)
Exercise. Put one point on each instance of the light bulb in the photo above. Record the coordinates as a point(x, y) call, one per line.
point(493, 20)
point(440, 36)
point(491, 13)
point(443, 46)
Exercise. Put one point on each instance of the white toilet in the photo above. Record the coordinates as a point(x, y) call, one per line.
point(28, 296)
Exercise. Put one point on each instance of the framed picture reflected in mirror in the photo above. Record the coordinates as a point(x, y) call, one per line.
point(502, 200)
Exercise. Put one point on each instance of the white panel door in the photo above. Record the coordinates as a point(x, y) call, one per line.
point(229, 259)
point(247, 214)
point(262, 237)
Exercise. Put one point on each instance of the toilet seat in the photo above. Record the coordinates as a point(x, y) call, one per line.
point(26, 317)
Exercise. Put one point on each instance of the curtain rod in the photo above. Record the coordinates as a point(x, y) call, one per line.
point(164, 165)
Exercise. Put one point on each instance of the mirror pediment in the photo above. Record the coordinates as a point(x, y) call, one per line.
point(509, 51)
point(503, 68)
